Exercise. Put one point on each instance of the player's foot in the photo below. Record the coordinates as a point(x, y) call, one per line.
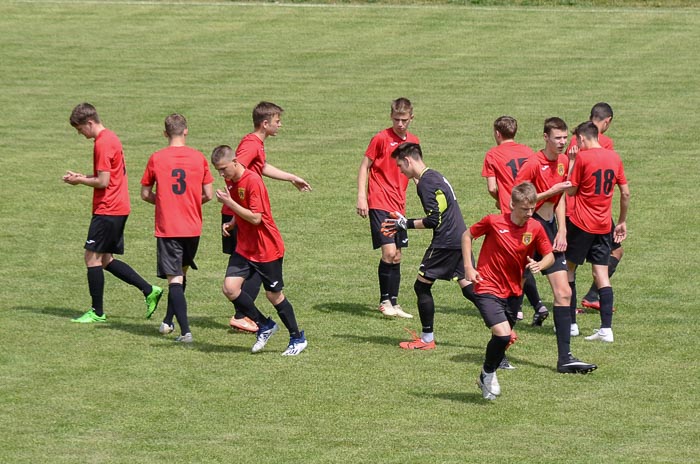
point(506, 365)
point(186, 338)
point(488, 383)
point(152, 300)
point(245, 324)
point(90, 318)
point(401, 313)
point(574, 330)
point(417, 343)
point(296, 345)
point(387, 308)
point(604, 335)
point(165, 329)
point(591, 304)
point(265, 331)
point(520, 316)
point(571, 365)
point(539, 317)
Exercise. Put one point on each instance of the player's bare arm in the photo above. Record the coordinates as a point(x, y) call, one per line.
point(470, 273)
point(147, 194)
point(560, 243)
point(362, 208)
point(207, 192)
point(100, 181)
point(278, 174)
point(621, 227)
point(244, 213)
point(537, 266)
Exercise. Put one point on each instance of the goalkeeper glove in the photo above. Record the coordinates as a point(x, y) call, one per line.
point(395, 222)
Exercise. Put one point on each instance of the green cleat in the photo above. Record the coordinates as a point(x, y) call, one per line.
point(90, 318)
point(152, 301)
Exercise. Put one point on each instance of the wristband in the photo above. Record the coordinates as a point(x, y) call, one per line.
point(410, 224)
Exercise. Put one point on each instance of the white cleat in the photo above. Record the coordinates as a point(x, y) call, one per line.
point(604, 335)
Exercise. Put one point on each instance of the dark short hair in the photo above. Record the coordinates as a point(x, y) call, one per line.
point(554, 123)
point(407, 150)
point(175, 124)
point(525, 192)
point(264, 111)
point(587, 130)
point(507, 126)
point(601, 111)
point(222, 152)
point(83, 113)
point(402, 105)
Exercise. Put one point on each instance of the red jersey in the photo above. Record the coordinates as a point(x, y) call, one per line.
point(108, 156)
point(504, 253)
point(595, 173)
point(544, 173)
point(251, 154)
point(503, 162)
point(180, 173)
point(260, 243)
point(605, 142)
point(386, 186)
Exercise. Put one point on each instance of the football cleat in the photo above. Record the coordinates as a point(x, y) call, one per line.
point(513, 338)
point(90, 318)
point(591, 304)
point(572, 365)
point(604, 335)
point(264, 333)
point(506, 365)
point(296, 345)
point(165, 329)
point(152, 300)
point(417, 343)
point(244, 324)
point(489, 385)
point(539, 317)
point(387, 308)
point(401, 313)
point(186, 338)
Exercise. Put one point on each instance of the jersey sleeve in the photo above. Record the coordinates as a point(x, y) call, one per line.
point(487, 169)
point(481, 227)
point(105, 151)
point(149, 175)
point(527, 172)
point(208, 178)
point(434, 203)
point(374, 148)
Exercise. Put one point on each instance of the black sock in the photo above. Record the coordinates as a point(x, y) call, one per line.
point(124, 272)
point(572, 305)
point(562, 322)
point(468, 293)
point(286, 313)
point(606, 306)
point(251, 287)
point(426, 305)
point(96, 285)
point(530, 290)
point(495, 350)
point(394, 283)
point(246, 305)
point(384, 274)
point(176, 301)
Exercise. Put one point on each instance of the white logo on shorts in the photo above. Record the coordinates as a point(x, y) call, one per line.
point(90, 242)
point(274, 284)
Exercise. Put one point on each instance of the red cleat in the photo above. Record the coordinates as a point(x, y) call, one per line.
point(245, 324)
point(590, 304)
point(417, 343)
point(513, 338)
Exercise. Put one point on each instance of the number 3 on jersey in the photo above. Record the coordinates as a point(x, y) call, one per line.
point(179, 185)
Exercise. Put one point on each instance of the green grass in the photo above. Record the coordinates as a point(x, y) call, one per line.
point(120, 392)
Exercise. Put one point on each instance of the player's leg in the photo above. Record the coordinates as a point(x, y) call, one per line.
point(591, 299)
point(96, 285)
point(598, 256)
point(533, 297)
point(493, 311)
point(389, 268)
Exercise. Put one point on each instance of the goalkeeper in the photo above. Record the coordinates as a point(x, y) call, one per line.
point(443, 258)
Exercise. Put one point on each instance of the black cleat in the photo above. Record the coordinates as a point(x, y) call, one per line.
point(539, 317)
point(574, 366)
point(506, 365)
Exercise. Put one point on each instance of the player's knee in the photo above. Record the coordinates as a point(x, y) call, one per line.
point(274, 298)
point(230, 290)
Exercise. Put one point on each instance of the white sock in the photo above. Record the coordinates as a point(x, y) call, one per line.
point(427, 337)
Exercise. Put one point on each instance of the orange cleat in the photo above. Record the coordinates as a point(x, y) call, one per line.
point(513, 338)
point(417, 343)
point(245, 324)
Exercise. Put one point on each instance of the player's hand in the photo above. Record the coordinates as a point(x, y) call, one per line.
point(472, 275)
point(573, 151)
point(395, 222)
point(532, 265)
point(560, 243)
point(620, 232)
point(72, 178)
point(362, 208)
point(560, 187)
point(301, 184)
point(227, 227)
point(223, 196)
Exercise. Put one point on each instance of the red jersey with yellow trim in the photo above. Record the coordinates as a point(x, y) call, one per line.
point(179, 174)
point(504, 253)
point(596, 172)
point(544, 173)
point(259, 243)
point(605, 142)
point(503, 162)
point(108, 156)
point(386, 186)
point(251, 154)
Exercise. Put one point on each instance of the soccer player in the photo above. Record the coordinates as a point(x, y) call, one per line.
point(110, 210)
point(501, 166)
point(594, 175)
point(547, 170)
point(259, 249)
point(601, 116)
point(182, 182)
point(443, 258)
point(510, 239)
point(381, 190)
point(251, 154)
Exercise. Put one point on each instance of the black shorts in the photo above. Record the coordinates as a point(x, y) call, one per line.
point(174, 254)
point(106, 234)
point(376, 217)
point(550, 227)
point(443, 264)
point(495, 310)
point(228, 244)
point(270, 273)
point(584, 246)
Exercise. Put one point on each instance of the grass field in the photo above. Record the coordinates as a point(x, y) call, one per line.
point(120, 392)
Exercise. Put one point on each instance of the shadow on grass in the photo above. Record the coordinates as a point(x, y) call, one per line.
point(354, 309)
point(383, 340)
point(53, 311)
point(477, 358)
point(458, 397)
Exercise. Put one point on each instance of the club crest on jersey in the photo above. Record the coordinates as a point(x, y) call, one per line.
point(241, 193)
point(560, 169)
point(527, 238)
